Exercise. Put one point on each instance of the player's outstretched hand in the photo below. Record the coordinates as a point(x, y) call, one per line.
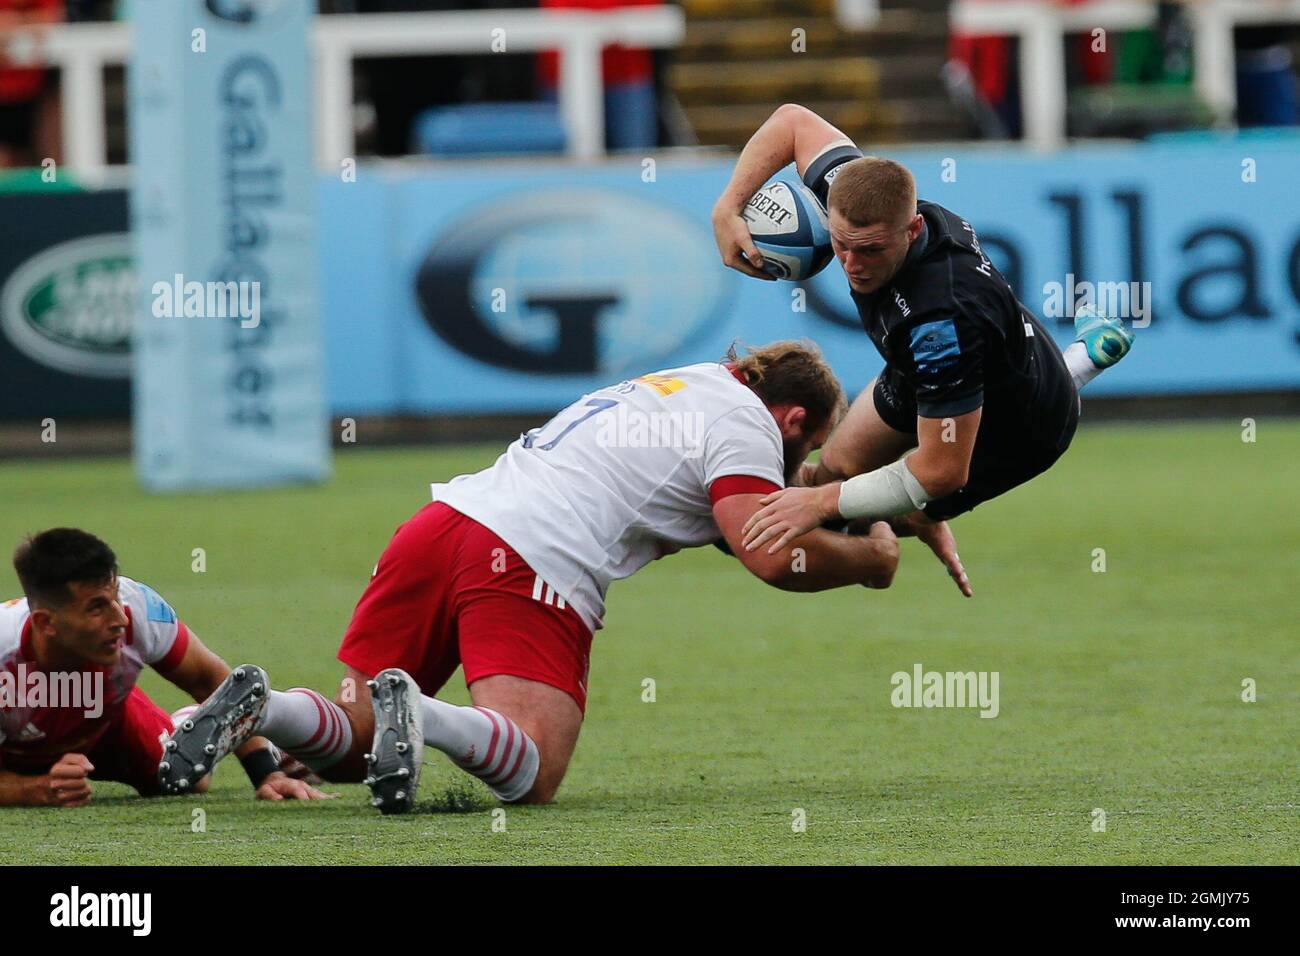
point(731, 234)
point(279, 786)
point(68, 782)
point(938, 537)
point(788, 513)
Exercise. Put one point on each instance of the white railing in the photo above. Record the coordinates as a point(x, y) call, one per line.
point(82, 50)
point(579, 35)
point(857, 14)
point(1040, 26)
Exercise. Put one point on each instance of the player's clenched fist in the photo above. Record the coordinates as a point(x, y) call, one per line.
point(67, 784)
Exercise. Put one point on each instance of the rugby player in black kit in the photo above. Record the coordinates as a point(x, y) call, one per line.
point(971, 380)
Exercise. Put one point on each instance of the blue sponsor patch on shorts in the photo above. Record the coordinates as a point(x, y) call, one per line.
point(156, 609)
point(935, 346)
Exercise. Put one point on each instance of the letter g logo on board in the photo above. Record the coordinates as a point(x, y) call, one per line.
point(592, 281)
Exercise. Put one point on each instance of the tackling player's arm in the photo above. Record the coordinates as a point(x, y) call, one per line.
point(199, 673)
point(948, 354)
point(792, 134)
point(829, 559)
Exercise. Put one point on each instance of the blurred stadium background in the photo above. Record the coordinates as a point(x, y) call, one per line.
point(464, 214)
point(1111, 141)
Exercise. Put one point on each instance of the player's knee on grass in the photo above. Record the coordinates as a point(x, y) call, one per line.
point(546, 714)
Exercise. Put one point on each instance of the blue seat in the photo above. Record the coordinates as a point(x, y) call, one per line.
point(489, 128)
point(1266, 89)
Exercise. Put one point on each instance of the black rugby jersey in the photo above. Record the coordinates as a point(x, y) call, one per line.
point(953, 335)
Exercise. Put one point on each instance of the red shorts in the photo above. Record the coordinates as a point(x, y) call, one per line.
point(449, 592)
point(131, 748)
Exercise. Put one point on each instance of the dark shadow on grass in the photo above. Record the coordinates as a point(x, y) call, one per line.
point(463, 797)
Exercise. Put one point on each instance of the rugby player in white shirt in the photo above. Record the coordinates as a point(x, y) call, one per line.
point(505, 575)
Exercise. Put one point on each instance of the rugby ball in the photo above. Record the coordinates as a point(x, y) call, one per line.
point(789, 227)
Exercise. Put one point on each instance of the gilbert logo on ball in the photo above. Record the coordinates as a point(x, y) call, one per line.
point(789, 227)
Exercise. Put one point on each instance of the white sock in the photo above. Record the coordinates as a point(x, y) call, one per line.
point(188, 711)
point(304, 723)
point(483, 743)
point(1080, 365)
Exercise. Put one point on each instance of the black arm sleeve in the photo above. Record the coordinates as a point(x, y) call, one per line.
point(821, 171)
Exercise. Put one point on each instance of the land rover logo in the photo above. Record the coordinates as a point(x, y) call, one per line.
point(70, 306)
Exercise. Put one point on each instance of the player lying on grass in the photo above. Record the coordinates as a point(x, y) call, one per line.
point(70, 654)
point(971, 380)
point(505, 574)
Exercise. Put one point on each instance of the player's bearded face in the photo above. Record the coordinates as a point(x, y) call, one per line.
point(92, 626)
point(870, 255)
point(799, 445)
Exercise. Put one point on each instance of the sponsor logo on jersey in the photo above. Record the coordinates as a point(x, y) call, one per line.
point(156, 609)
point(662, 383)
point(901, 303)
point(935, 346)
point(985, 267)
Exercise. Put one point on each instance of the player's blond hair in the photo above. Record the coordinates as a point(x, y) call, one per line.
point(870, 191)
point(792, 373)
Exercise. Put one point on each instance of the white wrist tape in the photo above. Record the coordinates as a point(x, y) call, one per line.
point(883, 493)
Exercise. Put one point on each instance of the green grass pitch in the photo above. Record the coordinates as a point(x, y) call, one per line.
point(1119, 690)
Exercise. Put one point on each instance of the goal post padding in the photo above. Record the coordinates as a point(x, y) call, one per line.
point(228, 354)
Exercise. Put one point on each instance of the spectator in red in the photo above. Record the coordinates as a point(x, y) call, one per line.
point(631, 109)
point(1092, 54)
point(981, 67)
point(989, 63)
point(29, 119)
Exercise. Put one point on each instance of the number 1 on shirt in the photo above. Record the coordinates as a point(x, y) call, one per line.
point(596, 405)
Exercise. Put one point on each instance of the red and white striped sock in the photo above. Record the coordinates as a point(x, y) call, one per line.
point(484, 743)
point(305, 724)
